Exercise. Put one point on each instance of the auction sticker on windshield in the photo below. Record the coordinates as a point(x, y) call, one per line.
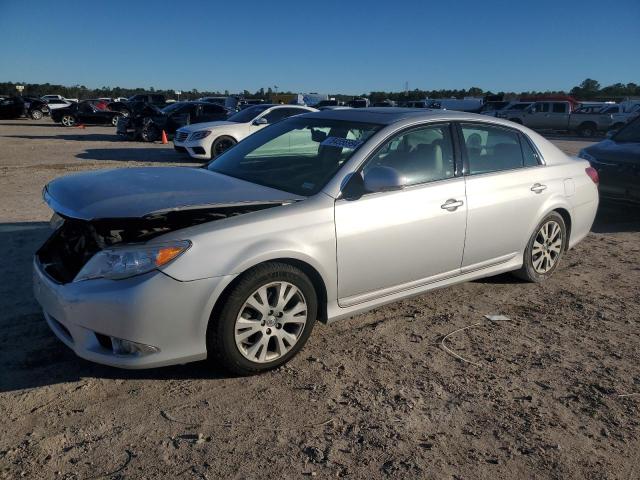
point(341, 143)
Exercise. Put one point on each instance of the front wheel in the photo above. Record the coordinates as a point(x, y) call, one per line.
point(544, 250)
point(68, 120)
point(36, 114)
point(221, 145)
point(265, 320)
point(114, 120)
point(150, 133)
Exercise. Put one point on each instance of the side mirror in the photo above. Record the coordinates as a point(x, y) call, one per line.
point(383, 179)
point(260, 121)
point(611, 133)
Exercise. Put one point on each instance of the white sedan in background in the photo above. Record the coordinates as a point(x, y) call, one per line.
point(205, 141)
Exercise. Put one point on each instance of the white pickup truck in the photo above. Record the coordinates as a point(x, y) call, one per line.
point(558, 115)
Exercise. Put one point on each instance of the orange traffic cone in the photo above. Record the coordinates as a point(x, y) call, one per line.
point(164, 138)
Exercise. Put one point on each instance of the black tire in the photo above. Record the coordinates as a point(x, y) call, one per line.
point(516, 120)
point(587, 130)
point(221, 145)
point(36, 114)
point(221, 343)
point(528, 271)
point(68, 120)
point(150, 133)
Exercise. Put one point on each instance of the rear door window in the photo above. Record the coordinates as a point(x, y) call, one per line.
point(560, 108)
point(491, 149)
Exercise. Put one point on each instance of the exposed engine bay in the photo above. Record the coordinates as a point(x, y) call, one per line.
point(75, 241)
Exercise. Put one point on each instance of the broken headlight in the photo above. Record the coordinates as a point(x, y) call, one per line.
point(123, 262)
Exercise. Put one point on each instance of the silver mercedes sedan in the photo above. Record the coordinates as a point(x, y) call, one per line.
point(318, 217)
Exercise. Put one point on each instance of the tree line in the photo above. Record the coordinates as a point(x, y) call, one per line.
point(589, 89)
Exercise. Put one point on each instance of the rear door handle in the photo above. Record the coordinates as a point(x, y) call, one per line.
point(538, 188)
point(452, 204)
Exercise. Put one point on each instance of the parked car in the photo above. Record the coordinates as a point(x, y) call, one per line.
point(619, 114)
point(617, 160)
point(46, 98)
point(11, 107)
point(492, 108)
point(136, 101)
point(35, 108)
point(516, 106)
point(468, 104)
point(148, 124)
point(56, 103)
point(236, 261)
point(557, 115)
point(208, 140)
point(231, 103)
point(84, 113)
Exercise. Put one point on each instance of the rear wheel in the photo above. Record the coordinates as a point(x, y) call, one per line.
point(544, 250)
point(68, 120)
point(265, 320)
point(114, 120)
point(587, 130)
point(36, 114)
point(220, 145)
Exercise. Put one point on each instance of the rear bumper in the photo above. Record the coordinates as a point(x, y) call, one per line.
point(152, 309)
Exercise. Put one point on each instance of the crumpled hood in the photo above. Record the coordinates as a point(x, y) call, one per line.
point(615, 151)
point(143, 192)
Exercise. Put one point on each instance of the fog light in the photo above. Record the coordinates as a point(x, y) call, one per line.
point(127, 347)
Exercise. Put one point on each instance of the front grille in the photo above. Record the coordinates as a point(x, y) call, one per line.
point(181, 136)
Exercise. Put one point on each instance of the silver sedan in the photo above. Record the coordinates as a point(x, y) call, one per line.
point(318, 217)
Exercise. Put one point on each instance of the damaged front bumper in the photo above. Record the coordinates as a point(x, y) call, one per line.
point(152, 310)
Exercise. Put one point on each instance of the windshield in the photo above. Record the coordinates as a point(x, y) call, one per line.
point(248, 114)
point(629, 133)
point(297, 155)
point(174, 107)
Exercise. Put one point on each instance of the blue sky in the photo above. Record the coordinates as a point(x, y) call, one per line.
point(345, 46)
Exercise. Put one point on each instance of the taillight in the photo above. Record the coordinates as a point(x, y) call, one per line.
point(593, 174)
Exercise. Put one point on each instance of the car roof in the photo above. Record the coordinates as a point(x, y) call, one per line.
point(390, 115)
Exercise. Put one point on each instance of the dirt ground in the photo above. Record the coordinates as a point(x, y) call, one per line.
point(555, 394)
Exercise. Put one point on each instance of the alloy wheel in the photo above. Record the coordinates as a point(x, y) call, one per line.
point(68, 121)
point(221, 146)
point(36, 114)
point(547, 247)
point(270, 322)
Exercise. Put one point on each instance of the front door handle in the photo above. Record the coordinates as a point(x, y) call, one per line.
point(452, 204)
point(538, 188)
